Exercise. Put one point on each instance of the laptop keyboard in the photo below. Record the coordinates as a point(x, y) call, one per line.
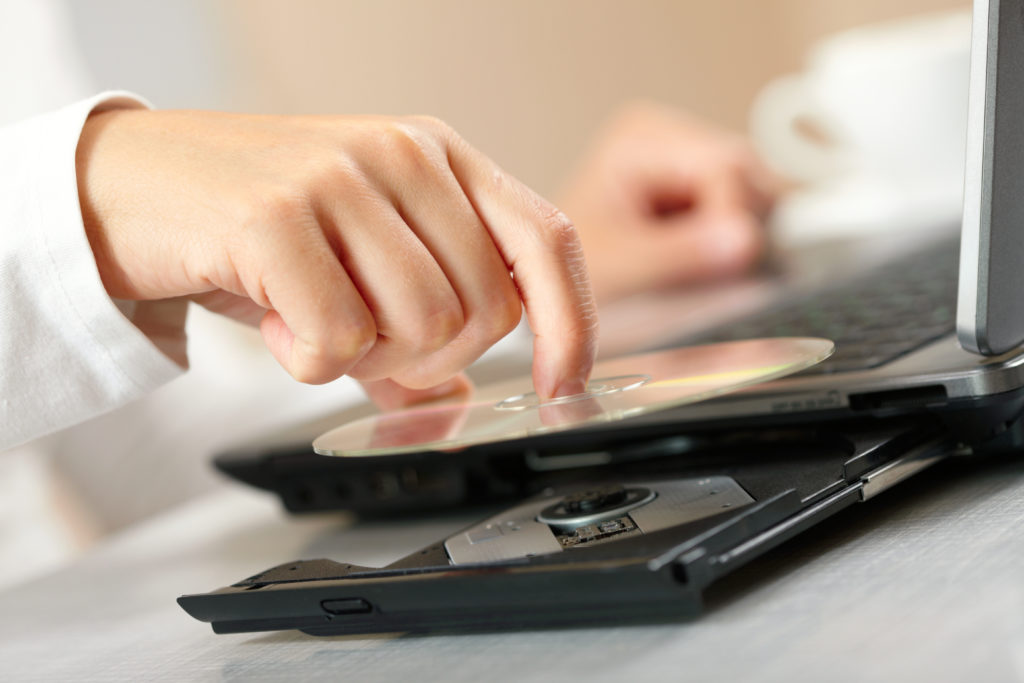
point(886, 313)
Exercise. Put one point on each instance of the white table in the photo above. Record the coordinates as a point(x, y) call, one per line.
point(926, 582)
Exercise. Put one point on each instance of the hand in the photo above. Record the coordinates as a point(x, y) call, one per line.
point(663, 200)
point(380, 248)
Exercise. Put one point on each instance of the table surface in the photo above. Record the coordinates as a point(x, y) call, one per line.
point(923, 582)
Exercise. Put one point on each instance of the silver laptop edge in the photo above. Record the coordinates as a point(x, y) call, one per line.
point(990, 318)
point(979, 144)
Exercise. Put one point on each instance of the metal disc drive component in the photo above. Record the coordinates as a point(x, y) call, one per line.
point(621, 388)
point(594, 505)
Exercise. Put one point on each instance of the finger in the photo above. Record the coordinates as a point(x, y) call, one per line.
point(316, 324)
point(722, 189)
point(234, 306)
point(724, 176)
point(736, 211)
point(736, 165)
point(446, 223)
point(390, 395)
point(704, 246)
point(541, 248)
point(765, 186)
point(415, 310)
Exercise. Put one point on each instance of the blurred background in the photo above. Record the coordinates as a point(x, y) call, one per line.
point(528, 82)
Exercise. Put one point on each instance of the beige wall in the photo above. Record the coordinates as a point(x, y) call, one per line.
point(528, 81)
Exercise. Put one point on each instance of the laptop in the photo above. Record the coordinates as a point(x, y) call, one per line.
point(935, 352)
point(935, 331)
point(939, 329)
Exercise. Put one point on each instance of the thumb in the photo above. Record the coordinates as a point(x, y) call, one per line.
point(389, 395)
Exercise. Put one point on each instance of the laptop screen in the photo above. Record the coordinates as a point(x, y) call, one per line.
point(990, 306)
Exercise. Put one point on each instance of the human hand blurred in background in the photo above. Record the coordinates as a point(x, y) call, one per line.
point(664, 199)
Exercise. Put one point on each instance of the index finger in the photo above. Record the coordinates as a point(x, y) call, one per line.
point(736, 179)
point(543, 252)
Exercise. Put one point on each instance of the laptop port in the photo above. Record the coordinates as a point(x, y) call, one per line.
point(919, 397)
point(341, 606)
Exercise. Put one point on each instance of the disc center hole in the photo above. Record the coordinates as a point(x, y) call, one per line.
point(595, 388)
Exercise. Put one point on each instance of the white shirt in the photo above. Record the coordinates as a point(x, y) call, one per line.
point(67, 352)
point(41, 520)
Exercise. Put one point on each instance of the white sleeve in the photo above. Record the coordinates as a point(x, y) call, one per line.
point(67, 352)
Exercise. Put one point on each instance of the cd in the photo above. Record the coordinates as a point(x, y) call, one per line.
point(621, 388)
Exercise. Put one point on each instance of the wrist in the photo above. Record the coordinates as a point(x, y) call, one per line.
point(100, 192)
point(93, 196)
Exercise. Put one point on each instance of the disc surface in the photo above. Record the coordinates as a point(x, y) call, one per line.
point(621, 388)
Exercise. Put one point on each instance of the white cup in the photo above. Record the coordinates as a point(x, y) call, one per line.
point(878, 116)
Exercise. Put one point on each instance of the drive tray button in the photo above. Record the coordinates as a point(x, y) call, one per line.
point(346, 606)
